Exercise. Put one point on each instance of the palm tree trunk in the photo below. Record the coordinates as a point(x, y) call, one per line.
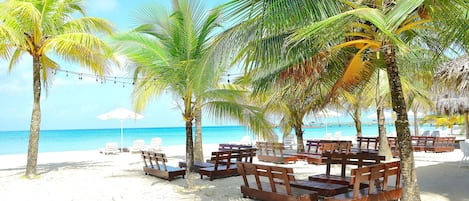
point(189, 147)
point(409, 174)
point(383, 149)
point(466, 122)
point(198, 149)
point(33, 146)
point(299, 139)
point(358, 122)
point(416, 123)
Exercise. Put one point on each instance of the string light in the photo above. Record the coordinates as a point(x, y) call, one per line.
point(114, 79)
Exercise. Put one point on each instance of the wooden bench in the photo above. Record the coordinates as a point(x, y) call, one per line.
point(441, 144)
point(420, 143)
point(377, 178)
point(155, 164)
point(273, 152)
point(222, 167)
point(344, 160)
point(315, 149)
point(271, 183)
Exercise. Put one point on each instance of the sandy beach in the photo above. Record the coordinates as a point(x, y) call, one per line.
point(89, 176)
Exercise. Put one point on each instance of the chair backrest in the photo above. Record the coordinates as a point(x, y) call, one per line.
point(146, 159)
point(221, 158)
point(111, 147)
point(277, 177)
point(426, 133)
point(289, 140)
point(435, 133)
point(159, 158)
point(246, 140)
point(138, 144)
point(464, 147)
point(155, 144)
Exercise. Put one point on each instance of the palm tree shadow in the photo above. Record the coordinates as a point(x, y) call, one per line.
point(50, 167)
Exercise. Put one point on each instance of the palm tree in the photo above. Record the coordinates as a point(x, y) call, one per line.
point(44, 29)
point(391, 23)
point(394, 23)
point(172, 53)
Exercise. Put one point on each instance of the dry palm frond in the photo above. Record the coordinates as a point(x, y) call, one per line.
point(453, 75)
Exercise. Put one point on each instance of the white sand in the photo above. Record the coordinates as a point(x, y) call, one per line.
point(89, 176)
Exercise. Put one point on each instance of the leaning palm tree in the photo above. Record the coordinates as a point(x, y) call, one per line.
point(44, 30)
point(394, 24)
point(172, 53)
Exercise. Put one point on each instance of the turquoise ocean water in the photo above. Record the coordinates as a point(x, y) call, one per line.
point(16, 142)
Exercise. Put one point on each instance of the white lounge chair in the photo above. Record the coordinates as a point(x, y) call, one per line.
point(435, 133)
point(337, 135)
point(464, 146)
point(246, 140)
point(137, 146)
point(155, 145)
point(110, 148)
point(289, 142)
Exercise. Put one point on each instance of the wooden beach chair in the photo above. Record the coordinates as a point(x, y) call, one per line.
point(155, 164)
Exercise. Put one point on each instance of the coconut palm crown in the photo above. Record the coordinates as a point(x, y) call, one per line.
point(172, 53)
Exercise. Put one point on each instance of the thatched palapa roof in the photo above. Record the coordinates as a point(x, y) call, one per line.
point(453, 76)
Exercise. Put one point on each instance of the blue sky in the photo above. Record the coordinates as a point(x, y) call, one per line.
point(71, 103)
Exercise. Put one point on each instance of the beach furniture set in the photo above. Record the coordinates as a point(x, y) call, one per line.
point(367, 181)
point(222, 163)
point(433, 144)
point(110, 148)
point(273, 152)
point(371, 144)
point(155, 164)
point(315, 150)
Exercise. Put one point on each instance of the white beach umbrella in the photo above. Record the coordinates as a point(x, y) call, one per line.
point(120, 114)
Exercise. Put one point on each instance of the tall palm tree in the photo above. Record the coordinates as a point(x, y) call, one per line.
point(44, 29)
point(172, 53)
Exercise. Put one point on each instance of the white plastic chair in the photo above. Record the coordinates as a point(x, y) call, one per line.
point(155, 144)
point(289, 141)
point(246, 140)
point(137, 146)
point(110, 148)
point(464, 146)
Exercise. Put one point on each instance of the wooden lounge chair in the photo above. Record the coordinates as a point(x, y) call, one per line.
point(376, 177)
point(271, 183)
point(155, 164)
point(273, 152)
point(223, 167)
